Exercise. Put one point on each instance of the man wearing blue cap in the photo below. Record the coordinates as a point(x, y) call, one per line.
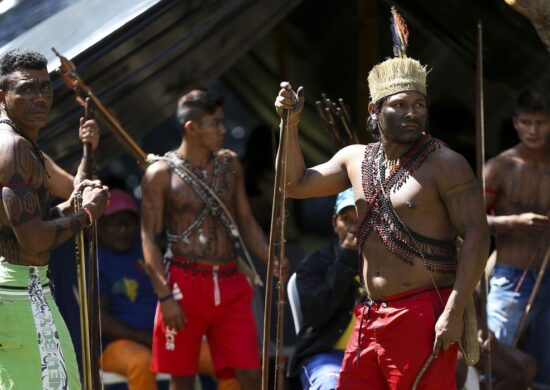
point(327, 279)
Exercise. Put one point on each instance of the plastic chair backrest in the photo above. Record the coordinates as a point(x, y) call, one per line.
point(294, 300)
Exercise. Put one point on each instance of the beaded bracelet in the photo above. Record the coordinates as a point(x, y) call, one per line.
point(90, 216)
point(166, 297)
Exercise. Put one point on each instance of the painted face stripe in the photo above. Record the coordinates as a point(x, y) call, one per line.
point(54, 372)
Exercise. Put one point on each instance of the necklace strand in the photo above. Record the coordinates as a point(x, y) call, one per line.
point(197, 170)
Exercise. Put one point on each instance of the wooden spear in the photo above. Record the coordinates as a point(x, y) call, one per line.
point(480, 162)
point(532, 297)
point(73, 80)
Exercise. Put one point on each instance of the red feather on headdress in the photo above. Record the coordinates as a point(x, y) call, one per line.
point(400, 34)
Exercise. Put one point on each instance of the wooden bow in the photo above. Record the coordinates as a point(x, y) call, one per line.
point(88, 292)
point(533, 296)
point(276, 239)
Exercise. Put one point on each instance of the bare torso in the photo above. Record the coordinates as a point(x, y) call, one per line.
point(523, 187)
point(420, 207)
point(209, 241)
point(20, 167)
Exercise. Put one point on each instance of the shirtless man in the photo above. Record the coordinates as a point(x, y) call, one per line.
point(36, 351)
point(202, 292)
point(518, 187)
point(429, 193)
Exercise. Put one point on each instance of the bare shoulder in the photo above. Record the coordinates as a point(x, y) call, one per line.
point(231, 158)
point(353, 150)
point(157, 173)
point(8, 142)
point(447, 158)
point(228, 154)
point(450, 170)
point(15, 156)
point(503, 160)
point(351, 153)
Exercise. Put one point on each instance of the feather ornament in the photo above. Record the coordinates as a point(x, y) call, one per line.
point(400, 34)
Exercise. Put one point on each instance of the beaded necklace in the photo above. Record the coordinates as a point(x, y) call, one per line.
point(440, 255)
point(200, 172)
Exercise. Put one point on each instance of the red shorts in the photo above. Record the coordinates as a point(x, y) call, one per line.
point(217, 304)
point(397, 337)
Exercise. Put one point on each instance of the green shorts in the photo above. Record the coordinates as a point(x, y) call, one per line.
point(36, 351)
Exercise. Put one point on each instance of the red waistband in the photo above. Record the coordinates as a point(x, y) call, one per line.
point(204, 266)
point(410, 293)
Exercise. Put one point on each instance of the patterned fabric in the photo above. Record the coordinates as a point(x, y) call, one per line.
point(54, 372)
point(405, 243)
point(35, 347)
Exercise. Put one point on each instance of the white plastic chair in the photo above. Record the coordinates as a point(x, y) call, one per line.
point(111, 378)
point(294, 300)
point(472, 380)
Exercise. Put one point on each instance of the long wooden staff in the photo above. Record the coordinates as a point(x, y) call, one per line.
point(92, 264)
point(480, 162)
point(73, 80)
point(532, 297)
point(87, 355)
point(88, 293)
point(276, 238)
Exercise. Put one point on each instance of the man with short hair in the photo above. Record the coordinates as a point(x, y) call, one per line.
point(36, 350)
point(517, 186)
point(193, 194)
point(327, 279)
point(414, 197)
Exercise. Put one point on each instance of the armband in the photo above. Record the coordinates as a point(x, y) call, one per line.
point(166, 297)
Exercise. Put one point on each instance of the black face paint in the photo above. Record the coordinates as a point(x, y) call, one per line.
point(403, 118)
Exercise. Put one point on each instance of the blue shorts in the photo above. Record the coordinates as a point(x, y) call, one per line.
point(321, 371)
point(505, 307)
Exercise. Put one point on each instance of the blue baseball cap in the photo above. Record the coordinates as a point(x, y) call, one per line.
point(345, 199)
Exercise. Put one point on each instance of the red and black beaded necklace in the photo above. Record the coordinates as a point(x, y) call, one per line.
point(400, 240)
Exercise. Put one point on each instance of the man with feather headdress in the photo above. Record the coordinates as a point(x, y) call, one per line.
point(416, 200)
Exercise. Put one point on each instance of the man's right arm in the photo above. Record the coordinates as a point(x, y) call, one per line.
point(324, 179)
point(21, 175)
point(495, 171)
point(154, 185)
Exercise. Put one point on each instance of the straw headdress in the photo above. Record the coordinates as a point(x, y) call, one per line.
point(400, 73)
